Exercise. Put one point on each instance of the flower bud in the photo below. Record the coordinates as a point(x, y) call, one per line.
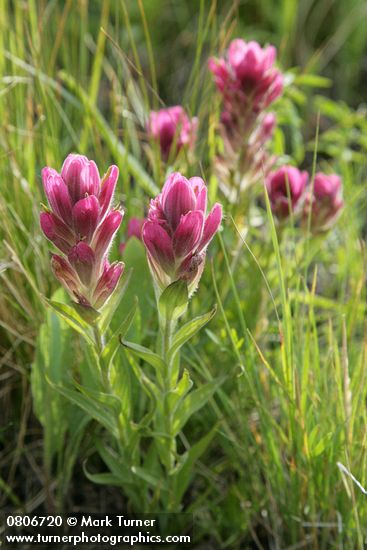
point(247, 78)
point(81, 177)
point(325, 203)
point(107, 283)
point(267, 126)
point(57, 194)
point(285, 188)
point(56, 231)
point(102, 239)
point(108, 186)
point(172, 127)
point(66, 275)
point(82, 259)
point(178, 231)
point(85, 217)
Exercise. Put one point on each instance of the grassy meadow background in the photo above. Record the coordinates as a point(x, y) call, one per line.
point(290, 332)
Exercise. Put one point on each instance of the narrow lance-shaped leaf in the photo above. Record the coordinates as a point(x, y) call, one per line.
point(174, 300)
point(144, 353)
point(188, 330)
point(194, 402)
point(72, 317)
point(182, 388)
point(186, 465)
point(113, 343)
point(99, 413)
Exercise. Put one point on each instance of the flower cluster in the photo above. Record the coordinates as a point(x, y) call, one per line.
point(249, 83)
point(285, 188)
point(81, 224)
point(178, 231)
point(324, 202)
point(247, 78)
point(173, 129)
point(289, 191)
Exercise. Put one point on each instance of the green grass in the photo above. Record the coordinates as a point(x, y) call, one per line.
point(290, 331)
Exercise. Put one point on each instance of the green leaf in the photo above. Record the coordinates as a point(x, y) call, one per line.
point(313, 80)
point(148, 477)
point(184, 470)
point(174, 300)
point(72, 317)
point(140, 285)
point(188, 330)
point(151, 390)
point(92, 407)
point(57, 415)
point(76, 427)
point(144, 353)
point(112, 402)
point(114, 342)
point(104, 478)
point(114, 463)
point(88, 314)
point(182, 388)
point(317, 444)
point(194, 402)
point(107, 478)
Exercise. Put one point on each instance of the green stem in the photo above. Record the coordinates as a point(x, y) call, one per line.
point(167, 332)
point(99, 342)
point(99, 338)
point(167, 338)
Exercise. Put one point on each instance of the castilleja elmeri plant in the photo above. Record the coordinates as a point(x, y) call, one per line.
point(247, 77)
point(81, 223)
point(176, 235)
point(178, 231)
point(249, 83)
point(316, 203)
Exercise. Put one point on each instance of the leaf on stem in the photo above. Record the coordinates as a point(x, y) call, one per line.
point(174, 300)
point(183, 387)
point(144, 353)
point(184, 470)
point(188, 330)
point(113, 343)
point(73, 318)
point(95, 409)
point(104, 478)
point(194, 402)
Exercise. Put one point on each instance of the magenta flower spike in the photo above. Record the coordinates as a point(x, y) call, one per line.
point(285, 188)
point(325, 202)
point(249, 83)
point(82, 224)
point(178, 231)
point(247, 77)
point(172, 127)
